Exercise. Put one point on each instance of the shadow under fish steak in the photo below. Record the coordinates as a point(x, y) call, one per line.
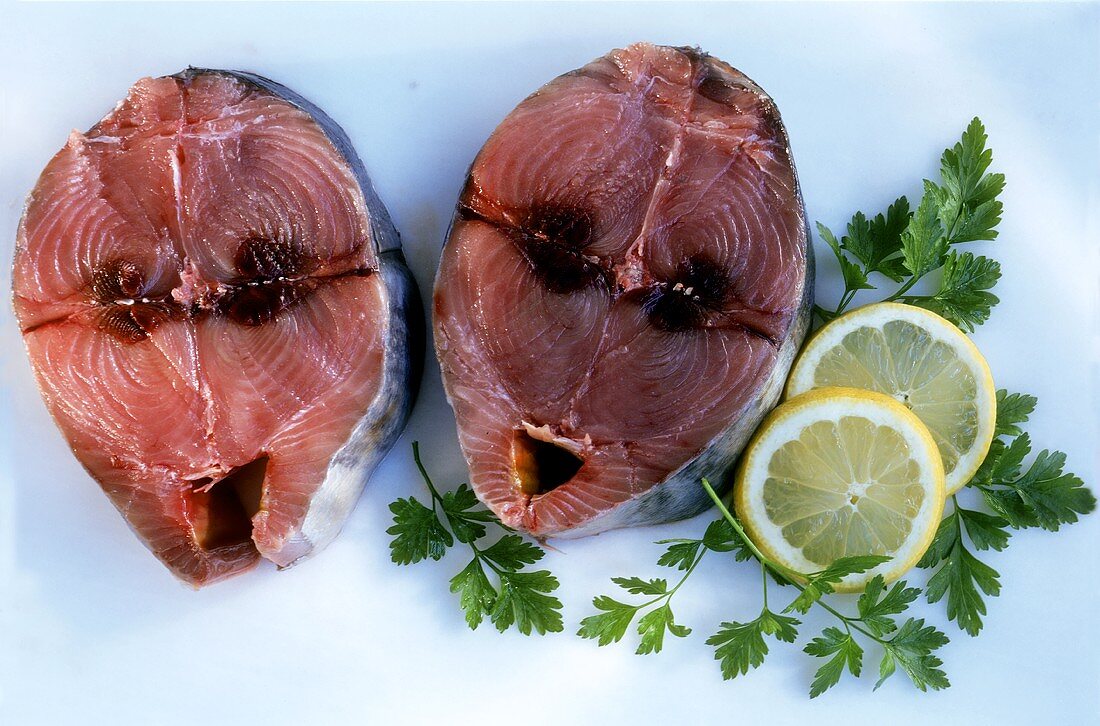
point(218, 313)
point(622, 291)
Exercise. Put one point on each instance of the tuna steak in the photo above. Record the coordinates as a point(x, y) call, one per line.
point(218, 313)
point(624, 286)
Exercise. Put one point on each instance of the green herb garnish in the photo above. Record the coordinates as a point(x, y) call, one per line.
point(519, 597)
point(742, 646)
point(1043, 496)
point(905, 246)
point(611, 624)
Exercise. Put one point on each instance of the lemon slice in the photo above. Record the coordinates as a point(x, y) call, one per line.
point(922, 361)
point(839, 472)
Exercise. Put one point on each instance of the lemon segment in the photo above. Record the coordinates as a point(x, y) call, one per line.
point(922, 361)
point(838, 472)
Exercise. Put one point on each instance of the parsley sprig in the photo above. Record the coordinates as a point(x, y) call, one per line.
point(1044, 495)
point(910, 646)
point(519, 597)
point(743, 646)
point(905, 246)
point(615, 617)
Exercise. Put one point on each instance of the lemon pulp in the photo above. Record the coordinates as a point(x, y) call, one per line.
point(840, 472)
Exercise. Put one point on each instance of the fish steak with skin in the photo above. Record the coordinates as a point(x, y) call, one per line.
point(624, 286)
point(219, 317)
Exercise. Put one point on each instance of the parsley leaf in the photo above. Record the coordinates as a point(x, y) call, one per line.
point(1042, 496)
point(638, 586)
point(1013, 409)
point(721, 537)
point(875, 609)
point(885, 234)
point(875, 244)
point(1045, 495)
point(855, 277)
point(524, 601)
point(418, 533)
point(1003, 463)
point(923, 245)
point(680, 553)
point(511, 552)
point(652, 627)
point(964, 296)
point(821, 583)
point(960, 577)
point(986, 531)
point(476, 595)
point(741, 646)
point(968, 201)
point(978, 223)
point(521, 598)
point(858, 240)
point(906, 246)
point(467, 523)
point(911, 648)
point(608, 626)
point(844, 651)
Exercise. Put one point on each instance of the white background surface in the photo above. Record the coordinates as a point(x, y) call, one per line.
point(94, 630)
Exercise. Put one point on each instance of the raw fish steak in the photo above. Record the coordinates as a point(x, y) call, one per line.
point(624, 286)
point(219, 316)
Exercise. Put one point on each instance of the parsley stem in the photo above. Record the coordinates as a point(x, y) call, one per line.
point(437, 498)
point(903, 289)
point(687, 573)
point(764, 582)
point(899, 294)
point(424, 475)
point(845, 301)
point(848, 621)
point(667, 596)
point(787, 574)
point(479, 555)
